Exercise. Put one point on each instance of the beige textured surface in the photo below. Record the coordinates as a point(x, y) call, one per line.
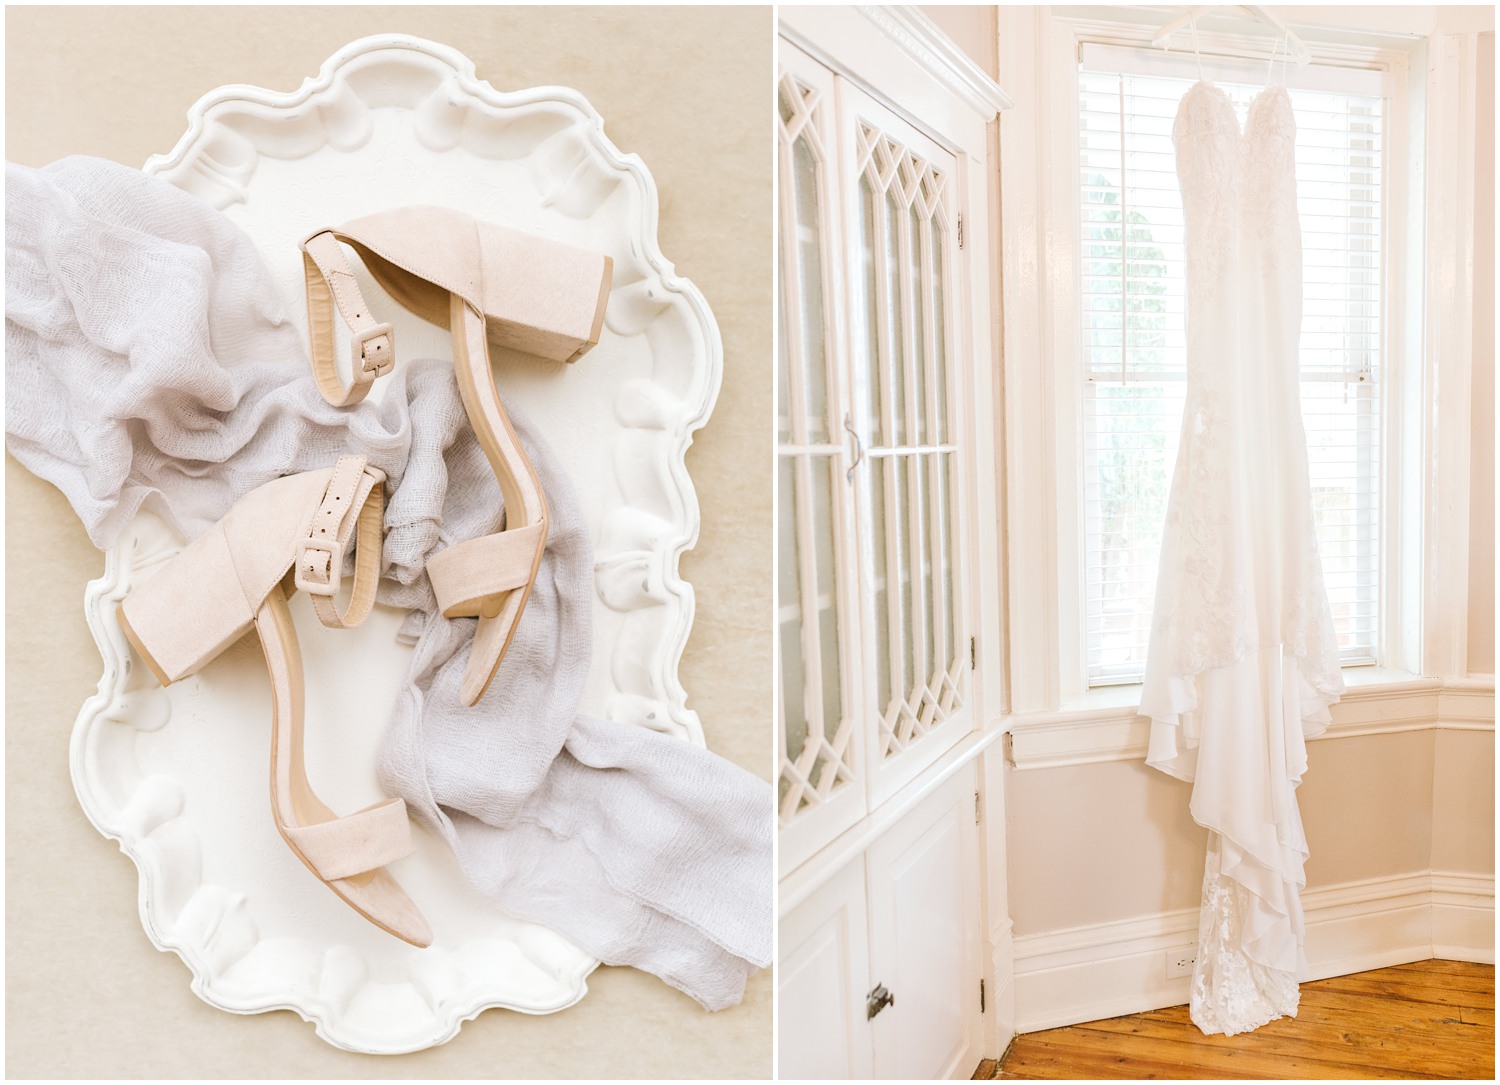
point(1105, 842)
point(972, 29)
point(87, 995)
point(1463, 802)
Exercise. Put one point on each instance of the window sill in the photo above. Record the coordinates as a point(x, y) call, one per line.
point(1102, 725)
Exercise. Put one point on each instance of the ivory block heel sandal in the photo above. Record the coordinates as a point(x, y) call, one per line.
point(289, 534)
point(484, 283)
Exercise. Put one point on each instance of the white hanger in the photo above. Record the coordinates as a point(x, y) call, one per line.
point(1295, 47)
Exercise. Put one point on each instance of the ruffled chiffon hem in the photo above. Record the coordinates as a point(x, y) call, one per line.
point(1245, 770)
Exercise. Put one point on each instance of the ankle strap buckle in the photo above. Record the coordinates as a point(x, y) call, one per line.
point(374, 350)
point(319, 576)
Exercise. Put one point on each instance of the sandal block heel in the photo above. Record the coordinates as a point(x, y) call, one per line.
point(189, 612)
point(542, 297)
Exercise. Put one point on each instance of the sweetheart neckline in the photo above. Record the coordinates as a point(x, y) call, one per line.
point(1240, 129)
point(1209, 84)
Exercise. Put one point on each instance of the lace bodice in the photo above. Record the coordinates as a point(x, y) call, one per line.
point(1237, 182)
point(1241, 477)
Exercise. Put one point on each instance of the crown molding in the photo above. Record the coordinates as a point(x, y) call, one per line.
point(920, 37)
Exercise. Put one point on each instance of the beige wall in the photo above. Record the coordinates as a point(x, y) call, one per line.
point(972, 28)
point(1463, 802)
point(1106, 842)
point(686, 89)
point(1482, 462)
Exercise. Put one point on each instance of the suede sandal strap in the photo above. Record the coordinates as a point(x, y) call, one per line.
point(330, 284)
point(363, 841)
point(471, 578)
point(353, 505)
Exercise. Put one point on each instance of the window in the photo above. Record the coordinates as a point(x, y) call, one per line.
point(1132, 345)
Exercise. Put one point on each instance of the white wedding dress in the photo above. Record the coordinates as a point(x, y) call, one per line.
point(1243, 661)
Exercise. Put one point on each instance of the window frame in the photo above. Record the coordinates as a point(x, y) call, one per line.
point(1322, 78)
point(1040, 260)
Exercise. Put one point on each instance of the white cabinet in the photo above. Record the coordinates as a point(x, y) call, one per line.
point(823, 981)
point(903, 916)
point(888, 594)
point(885, 489)
point(922, 882)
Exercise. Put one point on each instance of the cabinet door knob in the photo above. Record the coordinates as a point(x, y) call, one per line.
point(879, 999)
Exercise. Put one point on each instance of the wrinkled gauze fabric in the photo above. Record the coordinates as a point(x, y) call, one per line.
point(149, 364)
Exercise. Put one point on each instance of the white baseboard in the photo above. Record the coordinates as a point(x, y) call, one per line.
point(1463, 917)
point(1086, 973)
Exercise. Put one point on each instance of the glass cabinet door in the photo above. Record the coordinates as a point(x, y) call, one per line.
point(873, 646)
point(903, 193)
point(819, 786)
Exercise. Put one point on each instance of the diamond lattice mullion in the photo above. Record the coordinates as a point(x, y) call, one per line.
point(793, 800)
point(888, 729)
point(909, 723)
point(864, 150)
point(911, 176)
point(887, 158)
point(837, 752)
point(831, 772)
point(949, 699)
point(929, 712)
point(795, 112)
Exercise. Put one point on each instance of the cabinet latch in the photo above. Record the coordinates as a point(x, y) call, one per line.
point(879, 999)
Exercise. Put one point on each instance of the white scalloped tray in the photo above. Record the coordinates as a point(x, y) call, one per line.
point(178, 776)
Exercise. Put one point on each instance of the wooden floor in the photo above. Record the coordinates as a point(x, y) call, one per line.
point(1432, 1019)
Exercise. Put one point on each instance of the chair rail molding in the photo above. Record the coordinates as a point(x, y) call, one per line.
point(1089, 735)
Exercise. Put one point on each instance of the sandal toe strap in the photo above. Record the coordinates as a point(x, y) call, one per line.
point(471, 578)
point(363, 841)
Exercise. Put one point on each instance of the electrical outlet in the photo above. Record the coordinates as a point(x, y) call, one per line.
point(1180, 961)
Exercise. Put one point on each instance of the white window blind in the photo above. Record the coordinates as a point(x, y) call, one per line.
point(1133, 344)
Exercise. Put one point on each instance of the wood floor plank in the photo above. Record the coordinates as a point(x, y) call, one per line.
point(1444, 1025)
point(1331, 1043)
point(1043, 1059)
point(1478, 1015)
point(1352, 1011)
point(1362, 1002)
point(1437, 995)
point(1447, 968)
point(1153, 1057)
point(1428, 1019)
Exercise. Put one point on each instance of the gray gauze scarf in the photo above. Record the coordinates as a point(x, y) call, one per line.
point(149, 364)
